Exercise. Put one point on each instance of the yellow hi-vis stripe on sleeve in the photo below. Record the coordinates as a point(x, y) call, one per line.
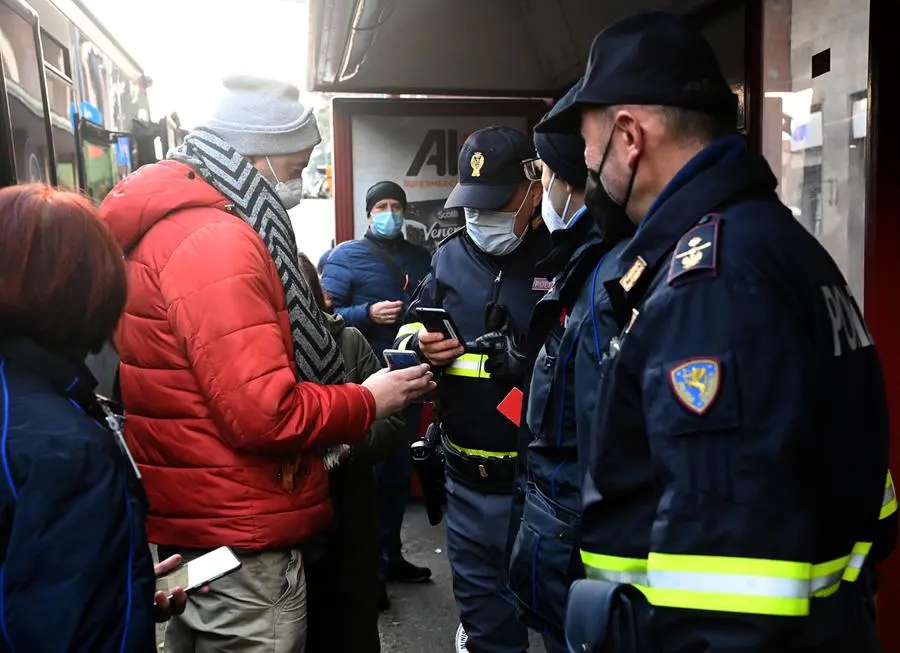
point(406, 333)
point(889, 502)
point(410, 329)
point(470, 366)
point(722, 584)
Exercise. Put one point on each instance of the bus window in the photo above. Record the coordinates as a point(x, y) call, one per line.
point(107, 158)
point(22, 69)
point(61, 98)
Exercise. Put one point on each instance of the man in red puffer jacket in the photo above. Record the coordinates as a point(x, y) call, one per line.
point(232, 383)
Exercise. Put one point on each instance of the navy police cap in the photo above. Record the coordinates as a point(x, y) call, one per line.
point(490, 168)
point(563, 153)
point(650, 58)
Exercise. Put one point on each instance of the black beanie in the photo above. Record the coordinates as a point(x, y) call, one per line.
point(384, 190)
point(564, 153)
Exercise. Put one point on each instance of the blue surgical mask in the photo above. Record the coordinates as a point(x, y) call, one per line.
point(387, 224)
point(492, 231)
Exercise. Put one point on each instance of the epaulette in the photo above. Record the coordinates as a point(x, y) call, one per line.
point(696, 254)
point(455, 234)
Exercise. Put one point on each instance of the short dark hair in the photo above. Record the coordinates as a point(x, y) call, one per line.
point(62, 273)
point(312, 278)
point(690, 124)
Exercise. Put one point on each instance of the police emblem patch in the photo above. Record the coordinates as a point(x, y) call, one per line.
point(696, 383)
point(477, 163)
point(697, 250)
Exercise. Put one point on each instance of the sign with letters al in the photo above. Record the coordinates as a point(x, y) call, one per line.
point(421, 154)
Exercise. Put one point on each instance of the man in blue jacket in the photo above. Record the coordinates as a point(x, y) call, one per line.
point(569, 328)
point(370, 282)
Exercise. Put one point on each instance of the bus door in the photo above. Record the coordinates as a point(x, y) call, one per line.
point(25, 137)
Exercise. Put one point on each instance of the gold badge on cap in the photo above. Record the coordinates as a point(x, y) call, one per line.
point(477, 164)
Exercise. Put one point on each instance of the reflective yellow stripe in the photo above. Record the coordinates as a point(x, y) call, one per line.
point(889, 502)
point(616, 569)
point(470, 366)
point(747, 585)
point(410, 329)
point(481, 453)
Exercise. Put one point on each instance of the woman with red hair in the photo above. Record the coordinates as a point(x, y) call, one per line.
point(75, 568)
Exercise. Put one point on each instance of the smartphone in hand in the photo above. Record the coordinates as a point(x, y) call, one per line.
point(196, 573)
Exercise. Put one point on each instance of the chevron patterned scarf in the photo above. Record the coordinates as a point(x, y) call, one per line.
point(317, 355)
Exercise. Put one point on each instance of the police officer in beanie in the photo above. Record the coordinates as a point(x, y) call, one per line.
point(737, 473)
point(370, 282)
point(484, 277)
point(570, 326)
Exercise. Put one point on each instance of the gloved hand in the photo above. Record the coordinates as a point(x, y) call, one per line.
point(505, 363)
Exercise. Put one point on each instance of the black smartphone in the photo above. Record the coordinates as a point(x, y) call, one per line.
point(437, 320)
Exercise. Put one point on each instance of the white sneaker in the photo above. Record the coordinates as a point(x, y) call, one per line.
point(461, 638)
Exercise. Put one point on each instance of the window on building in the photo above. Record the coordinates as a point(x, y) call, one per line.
point(815, 64)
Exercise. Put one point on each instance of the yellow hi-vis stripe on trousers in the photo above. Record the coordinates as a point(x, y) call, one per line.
point(889, 502)
point(469, 365)
point(722, 584)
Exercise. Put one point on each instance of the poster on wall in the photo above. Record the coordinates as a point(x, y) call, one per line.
point(421, 154)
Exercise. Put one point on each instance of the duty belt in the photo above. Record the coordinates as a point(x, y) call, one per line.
point(488, 471)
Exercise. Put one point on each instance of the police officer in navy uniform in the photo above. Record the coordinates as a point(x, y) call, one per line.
point(484, 277)
point(570, 327)
point(738, 463)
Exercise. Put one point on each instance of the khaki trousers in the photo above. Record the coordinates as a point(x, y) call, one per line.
point(261, 608)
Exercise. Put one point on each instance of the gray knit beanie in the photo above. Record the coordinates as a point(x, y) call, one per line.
point(263, 117)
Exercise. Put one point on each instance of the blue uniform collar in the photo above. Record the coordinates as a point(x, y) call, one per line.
point(720, 172)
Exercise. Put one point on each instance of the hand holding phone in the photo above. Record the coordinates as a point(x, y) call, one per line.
point(199, 572)
point(441, 342)
point(437, 320)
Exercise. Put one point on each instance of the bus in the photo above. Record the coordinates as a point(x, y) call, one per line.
point(74, 110)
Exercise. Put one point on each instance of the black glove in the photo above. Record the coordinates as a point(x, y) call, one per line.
point(505, 363)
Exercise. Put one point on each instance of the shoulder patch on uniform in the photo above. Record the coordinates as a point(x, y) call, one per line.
point(696, 383)
point(697, 250)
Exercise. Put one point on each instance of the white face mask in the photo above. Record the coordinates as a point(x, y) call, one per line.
point(492, 231)
point(289, 192)
point(552, 219)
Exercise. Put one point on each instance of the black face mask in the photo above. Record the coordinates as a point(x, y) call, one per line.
point(607, 212)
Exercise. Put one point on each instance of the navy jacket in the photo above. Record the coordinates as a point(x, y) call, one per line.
point(738, 460)
point(77, 575)
point(355, 278)
point(464, 281)
point(570, 327)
